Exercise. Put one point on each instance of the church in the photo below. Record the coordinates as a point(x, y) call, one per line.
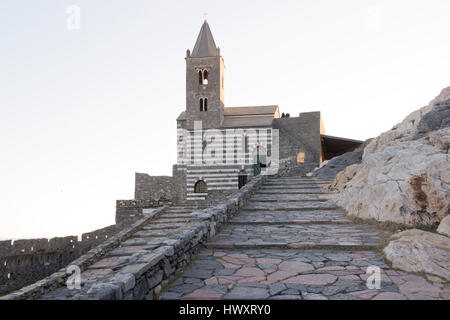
point(221, 148)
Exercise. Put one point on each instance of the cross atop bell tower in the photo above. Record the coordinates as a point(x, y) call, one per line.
point(204, 81)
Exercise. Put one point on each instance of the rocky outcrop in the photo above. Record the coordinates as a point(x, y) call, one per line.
point(444, 226)
point(337, 164)
point(404, 175)
point(444, 95)
point(420, 251)
point(410, 125)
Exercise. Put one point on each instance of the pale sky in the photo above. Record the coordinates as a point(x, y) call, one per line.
point(83, 110)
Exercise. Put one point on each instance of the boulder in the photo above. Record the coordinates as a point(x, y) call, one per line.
point(437, 118)
point(420, 251)
point(337, 164)
point(344, 176)
point(406, 183)
point(444, 226)
point(444, 95)
point(404, 174)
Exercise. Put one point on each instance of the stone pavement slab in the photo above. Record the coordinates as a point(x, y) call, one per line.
point(307, 274)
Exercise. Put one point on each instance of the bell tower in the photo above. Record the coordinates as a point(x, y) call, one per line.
point(204, 82)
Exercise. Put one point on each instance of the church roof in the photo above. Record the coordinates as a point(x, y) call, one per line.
point(182, 116)
point(246, 117)
point(236, 111)
point(205, 45)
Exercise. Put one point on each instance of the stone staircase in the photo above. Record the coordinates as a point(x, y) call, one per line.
point(287, 242)
point(290, 242)
point(292, 213)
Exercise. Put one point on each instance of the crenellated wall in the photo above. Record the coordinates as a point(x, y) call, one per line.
point(25, 261)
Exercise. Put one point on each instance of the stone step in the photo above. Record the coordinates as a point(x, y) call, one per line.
point(178, 215)
point(293, 216)
point(281, 187)
point(292, 177)
point(284, 205)
point(291, 191)
point(290, 222)
point(289, 197)
point(154, 233)
point(141, 241)
point(274, 201)
point(180, 210)
point(163, 226)
point(292, 186)
point(300, 180)
point(293, 182)
point(130, 249)
point(340, 236)
point(172, 220)
point(284, 245)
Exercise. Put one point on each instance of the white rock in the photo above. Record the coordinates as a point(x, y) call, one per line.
point(407, 182)
point(444, 95)
point(404, 176)
point(404, 129)
point(420, 251)
point(444, 226)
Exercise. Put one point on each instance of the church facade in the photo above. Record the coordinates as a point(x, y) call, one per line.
point(220, 148)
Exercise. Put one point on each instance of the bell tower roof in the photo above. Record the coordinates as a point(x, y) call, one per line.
point(205, 45)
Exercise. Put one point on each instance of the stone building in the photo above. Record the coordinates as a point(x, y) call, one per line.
point(220, 148)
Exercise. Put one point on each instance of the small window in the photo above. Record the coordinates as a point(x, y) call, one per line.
point(205, 77)
point(200, 77)
point(300, 157)
point(201, 104)
point(200, 187)
point(205, 108)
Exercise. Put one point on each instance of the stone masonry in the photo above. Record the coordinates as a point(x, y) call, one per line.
point(282, 239)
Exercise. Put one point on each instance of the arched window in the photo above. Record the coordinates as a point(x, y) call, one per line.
point(200, 187)
point(201, 104)
point(205, 105)
point(200, 77)
point(205, 77)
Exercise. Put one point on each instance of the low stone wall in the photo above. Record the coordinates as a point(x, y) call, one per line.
point(289, 167)
point(130, 211)
point(148, 273)
point(25, 261)
point(154, 187)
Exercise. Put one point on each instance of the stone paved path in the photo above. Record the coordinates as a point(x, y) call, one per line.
point(289, 242)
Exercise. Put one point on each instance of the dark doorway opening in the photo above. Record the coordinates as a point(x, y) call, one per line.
point(242, 180)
